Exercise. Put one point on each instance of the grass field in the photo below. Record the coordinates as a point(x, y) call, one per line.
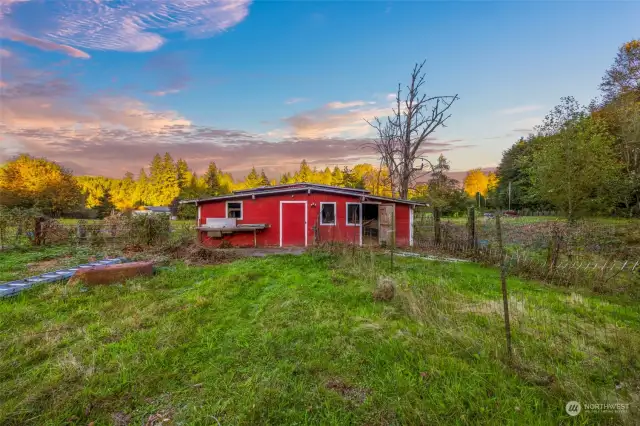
point(300, 340)
point(16, 264)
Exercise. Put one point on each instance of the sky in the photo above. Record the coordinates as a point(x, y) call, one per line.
point(102, 85)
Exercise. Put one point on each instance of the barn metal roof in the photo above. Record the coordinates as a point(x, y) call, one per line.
point(299, 185)
point(302, 187)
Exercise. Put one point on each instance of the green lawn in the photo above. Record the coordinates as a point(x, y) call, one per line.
point(16, 264)
point(300, 340)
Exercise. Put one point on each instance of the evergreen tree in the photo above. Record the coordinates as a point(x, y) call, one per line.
point(305, 174)
point(105, 206)
point(212, 179)
point(140, 197)
point(253, 180)
point(326, 177)
point(123, 192)
point(348, 178)
point(336, 177)
point(169, 186)
point(285, 178)
point(183, 173)
point(264, 180)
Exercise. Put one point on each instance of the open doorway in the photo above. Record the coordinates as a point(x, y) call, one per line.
point(370, 224)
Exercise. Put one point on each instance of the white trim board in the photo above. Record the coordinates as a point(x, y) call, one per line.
point(306, 217)
point(335, 213)
point(359, 225)
point(226, 209)
point(410, 226)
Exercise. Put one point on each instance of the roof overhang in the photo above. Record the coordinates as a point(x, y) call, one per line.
point(309, 189)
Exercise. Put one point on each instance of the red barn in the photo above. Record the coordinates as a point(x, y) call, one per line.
point(303, 214)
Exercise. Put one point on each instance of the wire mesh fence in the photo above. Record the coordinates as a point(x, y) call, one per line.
point(114, 231)
point(603, 255)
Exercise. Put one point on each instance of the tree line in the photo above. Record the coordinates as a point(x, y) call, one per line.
point(582, 160)
point(30, 182)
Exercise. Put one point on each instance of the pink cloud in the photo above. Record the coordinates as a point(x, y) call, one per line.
point(48, 45)
point(46, 115)
point(335, 119)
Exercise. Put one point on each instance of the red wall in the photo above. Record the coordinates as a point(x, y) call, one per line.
point(266, 209)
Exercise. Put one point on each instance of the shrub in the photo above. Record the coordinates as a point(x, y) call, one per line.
point(385, 290)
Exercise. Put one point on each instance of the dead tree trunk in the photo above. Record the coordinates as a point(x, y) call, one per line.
point(401, 138)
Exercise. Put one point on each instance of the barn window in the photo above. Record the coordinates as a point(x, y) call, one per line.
point(327, 213)
point(353, 214)
point(234, 209)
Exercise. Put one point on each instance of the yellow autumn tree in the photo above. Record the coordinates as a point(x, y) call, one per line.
point(475, 181)
point(36, 182)
point(492, 182)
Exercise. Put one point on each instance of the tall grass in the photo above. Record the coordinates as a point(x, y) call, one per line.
point(300, 340)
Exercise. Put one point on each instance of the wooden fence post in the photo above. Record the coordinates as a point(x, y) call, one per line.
point(503, 281)
point(436, 226)
point(81, 231)
point(37, 232)
point(471, 228)
point(553, 253)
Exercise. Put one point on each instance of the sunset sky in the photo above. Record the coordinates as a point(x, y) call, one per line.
point(102, 85)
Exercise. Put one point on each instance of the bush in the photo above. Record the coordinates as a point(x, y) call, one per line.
point(149, 229)
point(385, 290)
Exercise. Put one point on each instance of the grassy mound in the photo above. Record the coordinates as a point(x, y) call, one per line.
point(301, 340)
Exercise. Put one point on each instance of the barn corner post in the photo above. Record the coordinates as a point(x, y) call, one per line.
point(393, 234)
point(503, 281)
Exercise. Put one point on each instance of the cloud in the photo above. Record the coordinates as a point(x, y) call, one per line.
point(4, 53)
point(520, 109)
point(343, 105)
point(294, 101)
point(48, 115)
point(164, 92)
point(124, 25)
point(526, 125)
point(47, 45)
point(335, 119)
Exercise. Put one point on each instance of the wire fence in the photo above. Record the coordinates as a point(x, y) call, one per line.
point(602, 255)
point(115, 232)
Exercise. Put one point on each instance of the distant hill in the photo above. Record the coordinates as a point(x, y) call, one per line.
point(459, 175)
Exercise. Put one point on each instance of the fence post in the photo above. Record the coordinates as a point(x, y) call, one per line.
point(37, 232)
point(436, 225)
point(471, 228)
point(81, 231)
point(503, 281)
point(554, 249)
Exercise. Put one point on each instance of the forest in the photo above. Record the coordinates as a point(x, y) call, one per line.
point(582, 160)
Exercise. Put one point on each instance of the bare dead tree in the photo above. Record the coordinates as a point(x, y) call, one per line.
point(402, 135)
